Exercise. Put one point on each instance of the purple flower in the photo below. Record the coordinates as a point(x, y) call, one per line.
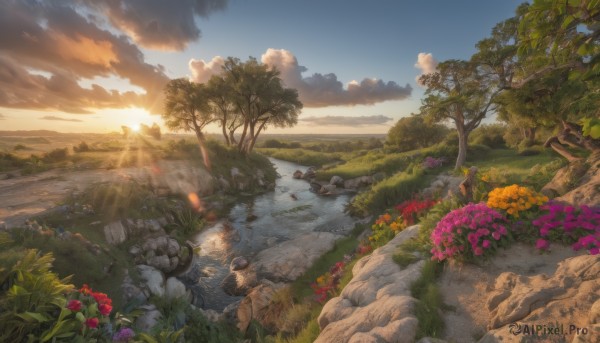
point(123, 335)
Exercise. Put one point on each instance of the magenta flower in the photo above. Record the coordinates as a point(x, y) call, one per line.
point(542, 244)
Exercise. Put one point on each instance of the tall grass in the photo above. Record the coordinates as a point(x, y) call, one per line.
point(302, 156)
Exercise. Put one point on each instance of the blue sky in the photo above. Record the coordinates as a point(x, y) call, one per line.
point(352, 39)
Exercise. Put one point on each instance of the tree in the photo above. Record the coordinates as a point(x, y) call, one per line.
point(260, 99)
point(153, 131)
point(187, 109)
point(410, 133)
point(457, 92)
point(220, 98)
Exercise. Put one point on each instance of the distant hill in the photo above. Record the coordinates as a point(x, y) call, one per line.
point(30, 133)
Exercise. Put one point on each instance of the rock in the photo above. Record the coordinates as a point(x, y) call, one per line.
point(130, 291)
point(3, 226)
point(587, 191)
point(315, 187)
point(336, 180)
point(327, 189)
point(251, 217)
point(376, 305)
point(310, 173)
point(173, 263)
point(153, 225)
point(115, 233)
point(431, 340)
point(256, 306)
point(174, 288)
point(238, 263)
point(230, 312)
point(149, 245)
point(160, 262)
point(224, 184)
point(172, 247)
point(153, 279)
point(297, 174)
point(566, 294)
point(211, 315)
point(161, 245)
point(235, 172)
point(288, 260)
point(358, 182)
point(232, 286)
point(149, 319)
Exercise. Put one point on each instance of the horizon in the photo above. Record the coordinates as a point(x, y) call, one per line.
point(78, 67)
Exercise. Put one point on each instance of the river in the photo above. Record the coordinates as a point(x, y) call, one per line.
point(279, 217)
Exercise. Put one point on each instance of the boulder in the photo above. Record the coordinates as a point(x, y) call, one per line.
point(149, 245)
point(327, 189)
point(153, 225)
point(233, 286)
point(256, 306)
point(149, 319)
point(297, 174)
point(235, 172)
point(174, 289)
point(286, 261)
point(336, 180)
point(161, 245)
point(160, 262)
point(376, 305)
point(153, 279)
point(172, 247)
point(315, 187)
point(310, 173)
point(115, 233)
point(238, 263)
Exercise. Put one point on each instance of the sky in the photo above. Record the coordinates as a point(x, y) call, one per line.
point(94, 65)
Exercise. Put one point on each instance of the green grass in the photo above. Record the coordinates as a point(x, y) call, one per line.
point(429, 301)
point(302, 156)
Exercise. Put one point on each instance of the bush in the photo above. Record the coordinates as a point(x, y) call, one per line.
point(469, 232)
point(20, 147)
point(491, 135)
point(515, 199)
point(199, 329)
point(81, 147)
point(413, 132)
point(388, 192)
point(56, 155)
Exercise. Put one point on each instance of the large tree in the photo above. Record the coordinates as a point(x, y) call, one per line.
point(457, 92)
point(187, 109)
point(259, 98)
point(220, 99)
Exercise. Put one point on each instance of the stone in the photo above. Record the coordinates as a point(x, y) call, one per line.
point(235, 172)
point(174, 288)
point(224, 184)
point(232, 286)
point(238, 263)
point(115, 233)
point(297, 174)
point(173, 263)
point(153, 225)
point(161, 245)
point(153, 279)
point(149, 319)
point(256, 306)
point(149, 245)
point(336, 180)
point(309, 174)
point(160, 262)
point(286, 261)
point(327, 189)
point(376, 305)
point(172, 247)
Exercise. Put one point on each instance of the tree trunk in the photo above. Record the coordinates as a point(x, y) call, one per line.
point(203, 150)
point(232, 137)
point(223, 124)
point(530, 134)
point(262, 125)
point(243, 137)
point(463, 137)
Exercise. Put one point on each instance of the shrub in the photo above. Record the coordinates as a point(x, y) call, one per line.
point(491, 135)
point(20, 147)
point(432, 162)
point(569, 224)
point(384, 229)
point(56, 155)
point(411, 210)
point(199, 329)
point(515, 199)
point(469, 232)
point(81, 147)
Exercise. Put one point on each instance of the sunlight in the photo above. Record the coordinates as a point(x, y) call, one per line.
point(135, 127)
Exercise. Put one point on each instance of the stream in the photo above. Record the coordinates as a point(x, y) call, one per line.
point(279, 217)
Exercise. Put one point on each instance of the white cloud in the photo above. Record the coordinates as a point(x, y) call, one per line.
point(426, 63)
point(202, 70)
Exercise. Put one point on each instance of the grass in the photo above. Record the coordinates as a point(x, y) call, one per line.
point(302, 156)
point(429, 301)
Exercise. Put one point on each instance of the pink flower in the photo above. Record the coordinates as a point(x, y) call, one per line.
point(496, 235)
point(542, 244)
point(478, 251)
point(91, 322)
point(486, 243)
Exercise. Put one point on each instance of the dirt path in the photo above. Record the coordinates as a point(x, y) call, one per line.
point(27, 196)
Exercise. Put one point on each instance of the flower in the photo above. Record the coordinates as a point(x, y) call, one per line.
point(91, 322)
point(515, 199)
point(74, 305)
point(105, 309)
point(124, 335)
point(542, 244)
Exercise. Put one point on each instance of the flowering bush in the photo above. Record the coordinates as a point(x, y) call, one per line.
point(471, 231)
point(515, 199)
point(90, 309)
point(327, 283)
point(410, 210)
point(432, 162)
point(385, 228)
point(577, 226)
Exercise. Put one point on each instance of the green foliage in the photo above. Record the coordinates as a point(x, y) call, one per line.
point(411, 133)
point(31, 297)
point(491, 135)
point(429, 301)
point(591, 127)
point(388, 192)
point(56, 155)
point(199, 329)
point(187, 221)
point(404, 258)
point(172, 311)
point(429, 222)
point(164, 336)
point(21, 147)
point(120, 199)
point(301, 156)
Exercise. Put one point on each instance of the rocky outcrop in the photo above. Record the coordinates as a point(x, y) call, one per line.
point(257, 305)
point(163, 253)
point(358, 182)
point(443, 185)
point(153, 279)
point(570, 297)
point(337, 181)
point(309, 174)
point(286, 261)
point(297, 174)
point(174, 289)
point(578, 183)
point(376, 306)
point(115, 233)
point(238, 263)
point(148, 319)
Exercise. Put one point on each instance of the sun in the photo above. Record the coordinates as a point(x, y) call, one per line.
point(135, 127)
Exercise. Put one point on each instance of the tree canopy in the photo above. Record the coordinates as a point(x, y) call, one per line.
point(414, 132)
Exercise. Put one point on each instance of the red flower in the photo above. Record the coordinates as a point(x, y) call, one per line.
point(91, 322)
point(105, 309)
point(101, 298)
point(74, 305)
point(85, 289)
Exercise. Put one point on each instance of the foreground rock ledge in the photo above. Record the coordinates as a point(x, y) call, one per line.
point(376, 306)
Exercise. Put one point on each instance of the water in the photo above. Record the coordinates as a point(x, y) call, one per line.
point(278, 218)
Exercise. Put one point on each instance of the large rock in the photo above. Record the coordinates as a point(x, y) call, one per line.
point(358, 182)
point(572, 289)
point(578, 183)
point(160, 262)
point(153, 279)
point(234, 285)
point(238, 263)
point(376, 305)
point(297, 174)
point(336, 180)
point(288, 260)
point(149, 319)
point(310, 174)
point(115, 233)
point(327, 189)
point(174, 288)
point(257, 306)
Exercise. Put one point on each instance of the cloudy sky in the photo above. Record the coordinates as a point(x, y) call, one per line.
point(94, 65)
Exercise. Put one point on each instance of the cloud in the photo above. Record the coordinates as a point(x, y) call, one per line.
point(321, 90)
point(48, 47)
point(426, 63)
point(318, 90)
point(158, 24)
point(202, 70)
point(347, 120)
point(59, 119)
